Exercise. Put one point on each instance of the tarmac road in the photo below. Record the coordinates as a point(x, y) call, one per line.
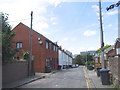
point(67, 78)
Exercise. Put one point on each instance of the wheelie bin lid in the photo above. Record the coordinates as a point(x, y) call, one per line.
point(104, 70)
point(98, 67)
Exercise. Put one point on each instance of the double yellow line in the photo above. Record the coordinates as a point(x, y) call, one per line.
point(87, 80)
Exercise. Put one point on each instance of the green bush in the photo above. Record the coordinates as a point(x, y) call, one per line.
point(116, 86)
point(26, 55)
point(89, 63)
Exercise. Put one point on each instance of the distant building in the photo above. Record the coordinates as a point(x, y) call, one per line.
point(93, 52)
point(68, 52)
point(65, 58)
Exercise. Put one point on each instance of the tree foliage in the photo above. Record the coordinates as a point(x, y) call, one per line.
point(81, 59)
point(105, 47)
point(7, 35)
point(26, 55)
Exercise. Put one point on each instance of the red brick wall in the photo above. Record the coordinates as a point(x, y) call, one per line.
point(114, 65)
point(111, 53)
point(39, 52)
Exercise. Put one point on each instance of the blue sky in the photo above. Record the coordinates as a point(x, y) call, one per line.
point(74, 25)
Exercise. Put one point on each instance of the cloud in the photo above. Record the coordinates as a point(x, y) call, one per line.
point(43, 25)
point(92, 25)
point(112, 12)
point(53, 20)
point(54, 23)
point(109, 26)
point(89, 33)
point(55, 2)
point(95, 7)
point(68, 39)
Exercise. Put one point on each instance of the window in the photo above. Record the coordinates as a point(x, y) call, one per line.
point(47, 45)
point(19, 45)
point(54, 48)
point(50, 46)
point(117, 50)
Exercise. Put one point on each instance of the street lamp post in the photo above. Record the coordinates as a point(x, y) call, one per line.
point(101, 35)
point(30, 49)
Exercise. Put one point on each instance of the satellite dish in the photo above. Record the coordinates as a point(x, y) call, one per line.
point(40, 42)
point(38, 38)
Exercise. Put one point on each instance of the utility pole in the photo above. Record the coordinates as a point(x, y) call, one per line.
point(0, 50)
point(101, 36)
point(30, 49)
point(86, 59)
point(119, 21)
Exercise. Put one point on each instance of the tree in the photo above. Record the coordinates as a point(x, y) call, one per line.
point(7, 35)
point(105, 47)
point(26, 55)
point(81, 59)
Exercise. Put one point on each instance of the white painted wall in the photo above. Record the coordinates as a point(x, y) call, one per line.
point(64, 59)
point(60, 57)
point(70, 61)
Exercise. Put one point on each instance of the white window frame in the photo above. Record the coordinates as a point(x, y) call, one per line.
point(19, 45)
point(47, 45)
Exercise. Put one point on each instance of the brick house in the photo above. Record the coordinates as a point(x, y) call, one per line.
point(109, 52)
point(114, 63)
point(97, 61)
point(117, 46)
point(44, 51)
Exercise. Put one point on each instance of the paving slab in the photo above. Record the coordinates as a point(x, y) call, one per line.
point(27, 80)
point(95, 81)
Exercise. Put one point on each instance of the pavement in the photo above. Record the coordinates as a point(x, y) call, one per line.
point(92, 80)
point(27, 80)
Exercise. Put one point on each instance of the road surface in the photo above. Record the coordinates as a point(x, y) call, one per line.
point(67, 78)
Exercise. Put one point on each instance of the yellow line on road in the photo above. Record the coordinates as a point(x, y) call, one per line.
point(87, 81)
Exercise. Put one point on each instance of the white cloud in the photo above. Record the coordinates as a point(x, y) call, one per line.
point(109, 26)
point(112, 12)
point(92, 25)
point(55, 2)
point(97, 13)
point(43, 25)
point(54, 23)
point(68, 39)
point(95, 7)
point(89, 33)
point(53, 20)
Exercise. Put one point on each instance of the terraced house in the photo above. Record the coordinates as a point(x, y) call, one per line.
point(65, 58)
point(44, 51)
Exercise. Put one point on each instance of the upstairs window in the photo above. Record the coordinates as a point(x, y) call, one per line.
point(56, 49)
point(47, 45)
point(19, 45)
point(50, 46)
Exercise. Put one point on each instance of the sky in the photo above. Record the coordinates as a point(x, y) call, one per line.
point(73, 24)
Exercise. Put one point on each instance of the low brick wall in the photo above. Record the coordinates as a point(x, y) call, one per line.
point(14, 71)
point(114, 66)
